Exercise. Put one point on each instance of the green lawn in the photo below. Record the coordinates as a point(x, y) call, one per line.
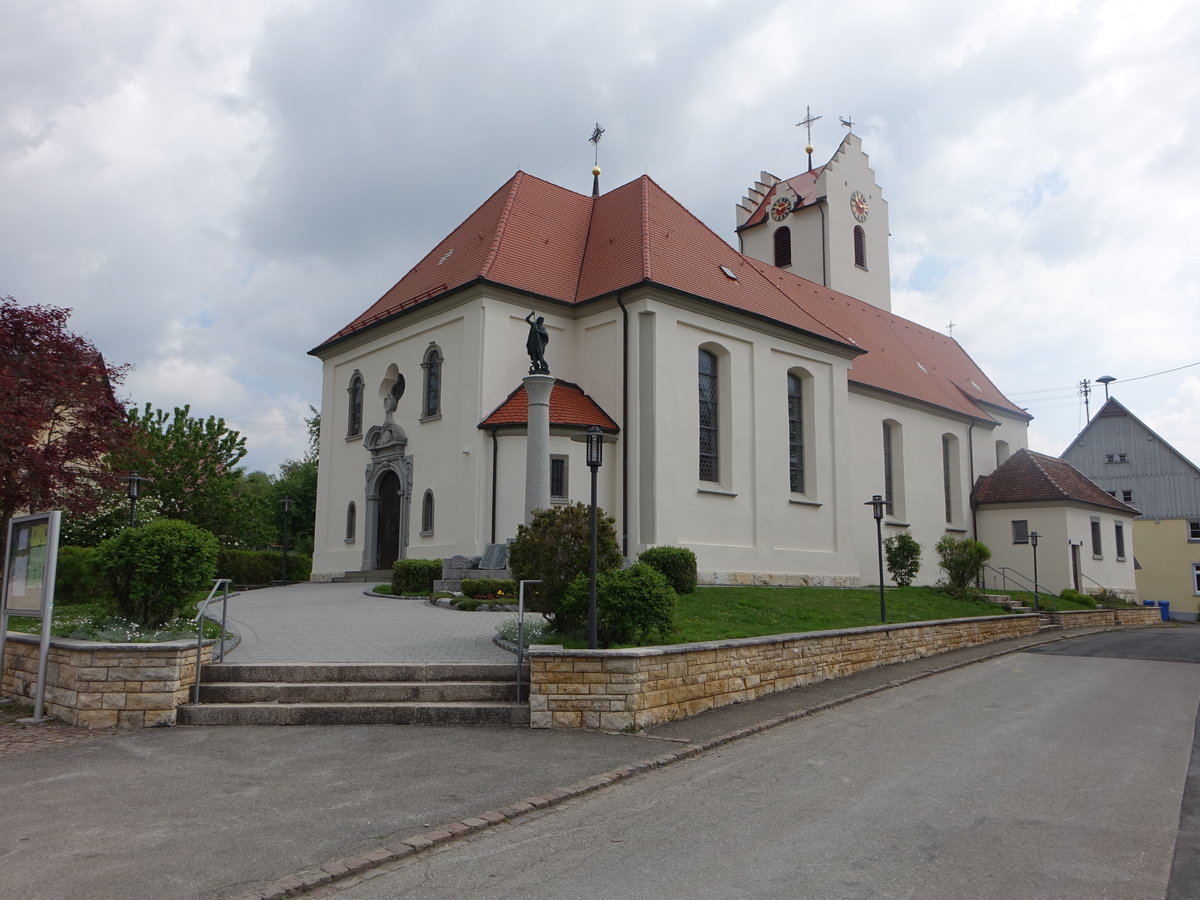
point(716, 613)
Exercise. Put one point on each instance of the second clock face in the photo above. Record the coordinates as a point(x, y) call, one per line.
point(858, 206)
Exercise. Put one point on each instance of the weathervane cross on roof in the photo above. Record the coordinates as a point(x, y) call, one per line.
point(807, 122)
point(597, 133)
point(950, 327)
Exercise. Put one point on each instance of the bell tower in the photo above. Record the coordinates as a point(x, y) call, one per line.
point(829, 225)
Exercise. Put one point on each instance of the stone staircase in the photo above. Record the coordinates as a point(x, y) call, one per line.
point(370, 576)
point(1017, 606)
point(359, 694)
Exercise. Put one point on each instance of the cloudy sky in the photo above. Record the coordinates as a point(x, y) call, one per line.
point(215, 187)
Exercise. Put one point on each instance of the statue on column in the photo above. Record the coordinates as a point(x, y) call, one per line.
point(536, 343)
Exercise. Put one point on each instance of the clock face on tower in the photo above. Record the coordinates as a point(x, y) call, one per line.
point(780, 209)
point(858, 206)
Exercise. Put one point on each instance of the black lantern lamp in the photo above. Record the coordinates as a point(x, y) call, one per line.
point(134, 491)
point(595, 439)
point(877, 503)
point(1033, 542)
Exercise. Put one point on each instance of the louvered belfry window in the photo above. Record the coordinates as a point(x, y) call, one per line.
point(860, 247)
point(710, 436)
point(783, 246)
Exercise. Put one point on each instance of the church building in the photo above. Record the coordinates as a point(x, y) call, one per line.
point(758, 398)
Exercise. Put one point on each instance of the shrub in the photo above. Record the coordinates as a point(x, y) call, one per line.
point(555, 547)
point(962, 560)
point(903, 554)
point(501, 589)
point(154, 570)
point(676, 564)
point(1076, 597)
point(261, 566)
point(415, 577)
point(633, 606)
point(77, 579)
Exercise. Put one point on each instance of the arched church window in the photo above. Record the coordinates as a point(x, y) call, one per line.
point(431, 405)
point(860, 247)
point(351, 522)
point(710, 435)
point(427, 513)
point(783, 246)
point(795, 409)
point(354, 424)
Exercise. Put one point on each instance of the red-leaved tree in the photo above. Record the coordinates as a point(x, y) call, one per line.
point(58, 414)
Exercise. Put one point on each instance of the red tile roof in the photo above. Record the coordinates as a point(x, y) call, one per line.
point(537, 238)
point(569, 406)
point(805, 186)
point(1028, 477)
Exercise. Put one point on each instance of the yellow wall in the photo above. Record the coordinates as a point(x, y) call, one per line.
point(1166, 557)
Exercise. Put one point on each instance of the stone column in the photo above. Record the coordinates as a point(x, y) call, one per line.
point(537, 444)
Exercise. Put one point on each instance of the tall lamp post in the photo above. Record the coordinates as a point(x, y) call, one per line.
point(595, 439)
point(1033, 539)
point(877, 502)
point(286, 503)
point(135, 488)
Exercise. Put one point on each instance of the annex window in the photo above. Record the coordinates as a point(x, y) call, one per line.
point(1097, 547)
point(783, 246)
point(1194, 529)
point(860, 247)
point(1119, 536)
point(1110, 457)
point(1196, 579)
point(1126, 496)
point(558, 478)
point(1121, 457)
point(795, 409)
point(427, 513)
point(431, 403)
point(351, 521)
point(1020, 531)
point(710, 431)
point(354, 423)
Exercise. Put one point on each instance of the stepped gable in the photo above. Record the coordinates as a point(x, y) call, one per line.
point(540, 239)
point(805, 187)
point(1029, 477)
point(569, 407)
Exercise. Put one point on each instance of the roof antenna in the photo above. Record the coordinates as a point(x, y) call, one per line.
point(597, 133)
point(807, 122)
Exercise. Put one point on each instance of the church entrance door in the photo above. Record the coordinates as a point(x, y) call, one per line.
point(388, 530)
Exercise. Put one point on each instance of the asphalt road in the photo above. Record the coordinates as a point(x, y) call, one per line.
point(1063, 773)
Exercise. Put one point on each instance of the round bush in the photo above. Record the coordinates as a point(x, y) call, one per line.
point(677, 565)
point(154, 570)
point(633, 606)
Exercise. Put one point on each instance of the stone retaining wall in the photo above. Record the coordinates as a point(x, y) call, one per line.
point(100, 685)
point(621, 689)
point(1092, 618)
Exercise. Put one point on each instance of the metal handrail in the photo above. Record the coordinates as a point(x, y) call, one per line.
point(218, 584)
point(521, 630)
point(1007, 572)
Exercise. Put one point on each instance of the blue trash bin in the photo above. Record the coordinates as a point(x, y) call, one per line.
point(1148, 603)
point(1164, 609)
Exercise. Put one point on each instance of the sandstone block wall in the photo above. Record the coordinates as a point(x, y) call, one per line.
point(624, 689)
point(1099, 618)
point(99, 685)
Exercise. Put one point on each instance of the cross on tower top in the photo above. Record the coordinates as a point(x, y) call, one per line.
point(807, 122)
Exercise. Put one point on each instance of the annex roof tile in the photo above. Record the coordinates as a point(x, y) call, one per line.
point(1029, 477)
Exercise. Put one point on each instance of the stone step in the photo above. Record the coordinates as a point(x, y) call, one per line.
point(478, 713)
point(371, 576)
point(358, 672)
point(360, 692)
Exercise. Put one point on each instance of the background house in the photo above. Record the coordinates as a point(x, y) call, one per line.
point(1133, 464)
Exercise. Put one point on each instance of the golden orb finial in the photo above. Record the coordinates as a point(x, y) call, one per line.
point(595, 170)
point(808, 149)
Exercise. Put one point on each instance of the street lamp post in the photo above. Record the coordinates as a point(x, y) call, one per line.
point(135, 488)
point(1033, 541)
point(286, 502)
point(595, 456)
point(877, 504)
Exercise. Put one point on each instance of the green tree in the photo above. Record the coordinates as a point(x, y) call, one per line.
point(903, 557)
point(193, 463)
point(962, 559)
point(555, 547)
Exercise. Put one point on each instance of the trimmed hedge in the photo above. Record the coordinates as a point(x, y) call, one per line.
point(633, 606)
point(261, 566)
point(415, 577)
point(502, 589)
point(676, 564)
